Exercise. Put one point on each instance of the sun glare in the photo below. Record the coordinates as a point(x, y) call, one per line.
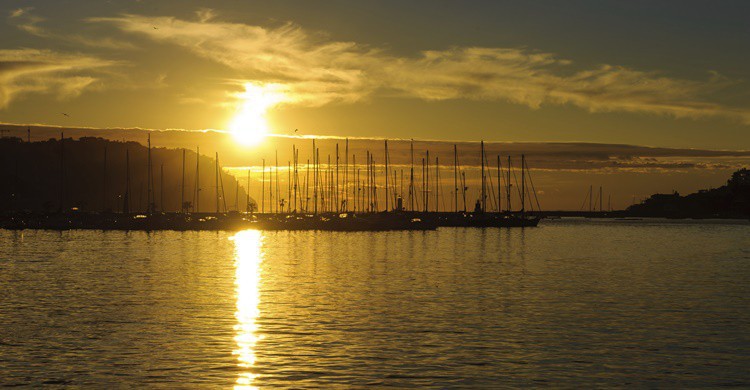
point(249, 125)
point(248, 244)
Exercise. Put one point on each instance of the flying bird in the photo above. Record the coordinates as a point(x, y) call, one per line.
point(296, 130)
point(156, 28)
point(66, 115)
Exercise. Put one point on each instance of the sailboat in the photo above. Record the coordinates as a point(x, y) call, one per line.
point(481, 216)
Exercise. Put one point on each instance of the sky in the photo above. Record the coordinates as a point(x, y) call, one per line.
point(669, 74)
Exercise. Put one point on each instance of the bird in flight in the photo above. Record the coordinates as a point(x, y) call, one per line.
point(156, 28)
point(66, 115)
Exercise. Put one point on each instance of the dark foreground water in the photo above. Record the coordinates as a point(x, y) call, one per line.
point(571, 303)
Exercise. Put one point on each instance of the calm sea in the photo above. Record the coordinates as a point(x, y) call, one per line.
point(572, 303)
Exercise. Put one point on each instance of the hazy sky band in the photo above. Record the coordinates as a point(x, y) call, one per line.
point(465, 71)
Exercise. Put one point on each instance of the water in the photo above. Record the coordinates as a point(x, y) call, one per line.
point(571, 303)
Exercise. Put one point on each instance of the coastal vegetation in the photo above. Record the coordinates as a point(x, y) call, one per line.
point(94, 174)
point(728, 201)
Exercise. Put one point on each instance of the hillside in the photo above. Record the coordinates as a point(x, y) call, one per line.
point(38, 176)
point(729, 201)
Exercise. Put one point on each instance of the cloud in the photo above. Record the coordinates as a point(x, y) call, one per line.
point(536, 79)
point(579, 157)
point(315, 70)
point(17, 13)
point(24, 71)
point(205, 14)
point(25, 20)
point(103, 42)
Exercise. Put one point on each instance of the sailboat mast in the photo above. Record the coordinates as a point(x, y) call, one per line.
point(335, 206)
point(319, 180)
point(374, 183)
point(499, 186)
point(394, 193)
point(263, 187)
point(221, 185)
point(463, 188)
point(216, 165)
point(424, 191)
point(386, 175)
point(484, 197)
point(523, 184)
point(197, 179)
point(182, 186)
point(411, 179)
point(508, 194)
point(62, 171)
point(427, 183)
point(307, 186)
point(297, 182)
point(455, 177)
point(401, 188)
point(270, 189)
point(149, 179)
point(293, 181)
point(315, 179)
point(328, 186)
point(104, 181)
point(369, 187)
point(126, 198)
point(278, 188)
point(346, 176)
point(331, 185)
point(437, 184)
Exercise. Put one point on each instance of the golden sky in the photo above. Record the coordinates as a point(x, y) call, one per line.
point(341, 69)
point(545, 72)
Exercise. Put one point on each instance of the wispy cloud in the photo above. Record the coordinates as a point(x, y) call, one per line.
point(579, 157)
point(25, 20)
point(316, 70)
point(25, 71)
point(536, 79)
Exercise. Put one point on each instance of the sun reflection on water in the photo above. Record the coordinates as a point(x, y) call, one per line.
point(248, 257)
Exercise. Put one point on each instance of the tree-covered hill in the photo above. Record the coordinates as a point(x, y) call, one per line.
point(729, 201)
point(38, 176)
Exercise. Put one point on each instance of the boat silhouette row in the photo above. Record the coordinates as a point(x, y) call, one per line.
point(319, 195)
point(381, 221)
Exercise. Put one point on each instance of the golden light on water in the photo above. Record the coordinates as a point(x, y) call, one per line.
point(248, 258)
point(250, 125)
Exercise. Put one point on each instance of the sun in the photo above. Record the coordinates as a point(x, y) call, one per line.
point(249, 126)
